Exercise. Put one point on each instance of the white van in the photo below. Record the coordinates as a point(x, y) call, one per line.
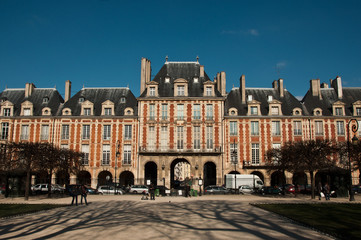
point(234, 181)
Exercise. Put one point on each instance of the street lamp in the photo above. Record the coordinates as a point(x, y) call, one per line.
point(354, 129)
point(234, 161)
point(115, 167)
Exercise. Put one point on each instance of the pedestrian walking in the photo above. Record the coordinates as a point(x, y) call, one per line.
point(84, 193)
point(152, 191)
point(327, 191)
point(74, 192)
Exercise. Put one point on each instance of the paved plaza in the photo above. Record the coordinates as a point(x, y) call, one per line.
point(128, 217)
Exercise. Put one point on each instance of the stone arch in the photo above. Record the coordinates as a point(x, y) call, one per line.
point(278, 178)
point(210, 174)
point(126, 178)
point(84, 177)
point(102, 178)
point(180, 169)
point(151, 172)
point(62, 178)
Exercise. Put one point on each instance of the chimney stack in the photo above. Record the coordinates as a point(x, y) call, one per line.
point(242, 86)
point(145, 73)
point(280, 87)
point(219, 82)
point(337, 85)
point(201, 71)
point(29, 88)
point(223, 83)
point(67, 90)
point(315, 88)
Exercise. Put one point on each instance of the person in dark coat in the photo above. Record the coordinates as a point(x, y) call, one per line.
point(74, 192)
point(84, 193)
point(152, 191)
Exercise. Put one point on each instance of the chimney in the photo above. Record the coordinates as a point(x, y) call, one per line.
point(148, 71)
point(201, 71)
point(315, 88)
point(337, 85)
point(325, 85)
point(67, 90)
point(223, 83)
point(275, 84)
point(242, 86)
point(143, 74)
point(219, 82)
point(29, 88)
point(280, 87)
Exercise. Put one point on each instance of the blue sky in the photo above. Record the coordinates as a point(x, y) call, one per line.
point(99, 43)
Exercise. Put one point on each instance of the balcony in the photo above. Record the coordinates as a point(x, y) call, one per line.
point(126, 162)
point(168, 151)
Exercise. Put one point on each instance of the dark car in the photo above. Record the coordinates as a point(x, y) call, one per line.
point(356, 189)
point(271, 190)
point(91, 191)
point(304, 189)
point(216, 190)
point(289, 188)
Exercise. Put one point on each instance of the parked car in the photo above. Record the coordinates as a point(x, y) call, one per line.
point(138, 189)
point(91, 191)
point(109, 190)
point(271, 190)
point(245, 189)
point(356, 189)
point(304, 189)
point(289, 188)
point(212, 189)
point(43, 188)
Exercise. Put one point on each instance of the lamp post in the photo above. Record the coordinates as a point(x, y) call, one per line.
point(234, 161)
point(354, 129)
point(115, 167)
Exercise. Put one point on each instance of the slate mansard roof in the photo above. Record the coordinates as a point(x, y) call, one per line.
point(121, 97)
point(185, 70)
point(288, 101)
point(17, 97)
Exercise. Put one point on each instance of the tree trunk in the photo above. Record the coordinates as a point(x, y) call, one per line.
point(27, 183)
point(312, 185)
point(49, 183)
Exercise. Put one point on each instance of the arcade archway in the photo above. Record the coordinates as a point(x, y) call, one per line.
point(150, 172)
point(180, 170)
point(278, 179)
point(126, 178)
point(210, 174)
point(84, 177)
point(62, 178)
point(102, 178)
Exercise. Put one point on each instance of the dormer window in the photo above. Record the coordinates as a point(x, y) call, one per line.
point(249, 98)
point(107, 111)
point(46, 111)
point(254, 110)
point(195, 80)
point(338, 111)
point(297, 111)
point(87, 112)
point(128, 111)
point(270, 98)
point(180, 87)
point(87, 108)
point(338, 108)
point(81, 99)
point(317, 112)
point(27, 111)
point(6, 112)
point(66, 112)
point(180, 90)
point(45, 100)
point(209, 91)
point(122, 99)
point(167, 79)
point(152, 91)
point(358, 111)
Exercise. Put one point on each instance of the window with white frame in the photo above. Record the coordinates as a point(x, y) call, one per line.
point(107, 111)
point(152, 91)
point(209, 91)
point(164, 111)
point(180, 137)
point(276, 128)
point(151, 112)
point(275, 110)
point(209, 137)
point(128, 132)
point(318, 128)
point(6, 112)
point(151, 138)
point(340, 127)
point(86, 132)
point(197, 111)
point(107, 132)
point(209, 112)
point(44, 132)
point(180, 112)
point(65, 132)
point(233, 128)
point(254, 110)
point(254, 128)
point(164, 138)
point(4, 131)
point(297, 128)
point(106, 155)
point(338, 111)
point(24, 132)
point(27, 112)
point(87, 111)
point(255, 153)
point(85, 157)
point(196, 137)
point(180, 90)
point(234, 152)
point(127, 154)
point(276, 145)
point(358, 111)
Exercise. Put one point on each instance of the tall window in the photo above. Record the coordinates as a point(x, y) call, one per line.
point(209, 134)
point(164, 138)
point(4, 131)
point(107, 111)
point(234, 152)
point(152, 91)
point(86, 131)
point(297, 128)
point(107, 132)
point(339, 111)
point(254, 110)
point(180, 112)
point(318, 128)
point(275, 110)
point(340, 128)
point(27, 111)
point(87, 111)
point(44, 132)
point(151, 112)
point(276, 128)
point(197, 137)
point(6, 112)
point(358, 111)
point(209, 112)
point(164, 111)
point(180, 137)
point(106, 155)
point(24, 132)
point(128, 132)
point(233, 128)
point(180, 90)
point(254, 128)
point(127, 154)
point(255, 153)
point(85, 157)
point(197, 111)
point(65, 132)
point(209, 91)
point(151, 138)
